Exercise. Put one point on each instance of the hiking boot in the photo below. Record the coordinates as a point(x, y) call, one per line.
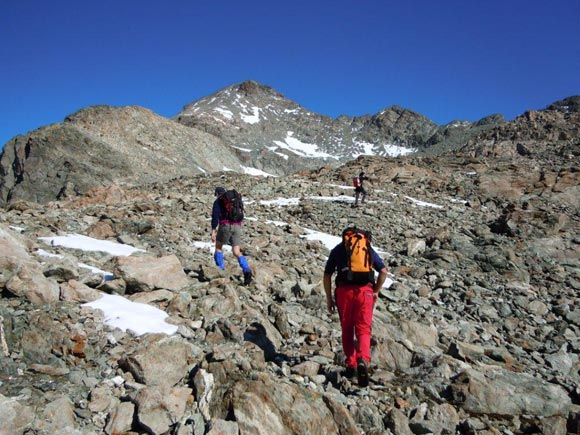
point(363, 373)
point(349, 372)
point(247, 277)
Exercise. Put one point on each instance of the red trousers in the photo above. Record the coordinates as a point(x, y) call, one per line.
point(355, 308)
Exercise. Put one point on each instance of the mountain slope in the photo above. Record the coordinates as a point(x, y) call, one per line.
point(102, 144)
point(483, 255)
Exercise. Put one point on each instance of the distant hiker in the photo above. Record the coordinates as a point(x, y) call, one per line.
point(226, 228)
point(359, 189)
point(355, 261)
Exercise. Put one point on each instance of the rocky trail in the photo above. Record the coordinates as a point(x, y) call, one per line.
point(478, 331)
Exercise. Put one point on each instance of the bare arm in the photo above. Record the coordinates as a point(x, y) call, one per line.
point(380, 281)
point(327, 282)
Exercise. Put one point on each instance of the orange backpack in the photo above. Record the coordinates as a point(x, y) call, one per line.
point(359, 267)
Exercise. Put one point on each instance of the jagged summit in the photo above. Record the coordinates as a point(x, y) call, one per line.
point(251, 87)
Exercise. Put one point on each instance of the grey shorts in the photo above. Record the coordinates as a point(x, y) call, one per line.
point(230, 235)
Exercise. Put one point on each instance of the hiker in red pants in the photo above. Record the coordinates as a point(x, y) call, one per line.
point(356, 292)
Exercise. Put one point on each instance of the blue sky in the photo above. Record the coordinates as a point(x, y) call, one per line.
point(447, 60)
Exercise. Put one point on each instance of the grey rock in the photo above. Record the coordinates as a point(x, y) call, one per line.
point(503, 393)
point(120, 419)
point(16, 418)
point(398, 423)
point(147, 274)
point(266, 407)
point(161, 361)
point(91, 149)
point(160, 408)
point(57, 417)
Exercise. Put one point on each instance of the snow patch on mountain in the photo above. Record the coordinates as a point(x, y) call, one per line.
point(302, 149)
point(252, 119)
point(396, 150)
point(226, 113)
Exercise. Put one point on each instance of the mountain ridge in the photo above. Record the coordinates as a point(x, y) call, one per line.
point(247, 128)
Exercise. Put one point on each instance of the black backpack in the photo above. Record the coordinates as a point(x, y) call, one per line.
point(234, 206)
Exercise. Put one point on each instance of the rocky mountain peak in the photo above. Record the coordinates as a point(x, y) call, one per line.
point(399, 110)
point(493, 120)
point(251, 87)
point(567, 105)
point(410, 126)
point(237, 103)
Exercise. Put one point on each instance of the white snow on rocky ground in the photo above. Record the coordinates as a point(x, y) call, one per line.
point(423, 203)
point(210, 246)
point(84, 243)
point(224, 112)
point(256, 172)
point(367, 149)
point(327, 240)
point(130, 316)
point(396, 150)
point(339, 198)
point(281, 201)
point(119, 312)
point(341, 186)
point(107, 276)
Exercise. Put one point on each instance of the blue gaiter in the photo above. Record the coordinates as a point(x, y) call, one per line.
point(219, 260)
point(244, 264)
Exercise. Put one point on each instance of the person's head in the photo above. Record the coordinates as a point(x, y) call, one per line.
point(362, 174)
point(219, 191)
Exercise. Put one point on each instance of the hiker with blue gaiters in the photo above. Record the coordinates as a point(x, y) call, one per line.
point(226, 228)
